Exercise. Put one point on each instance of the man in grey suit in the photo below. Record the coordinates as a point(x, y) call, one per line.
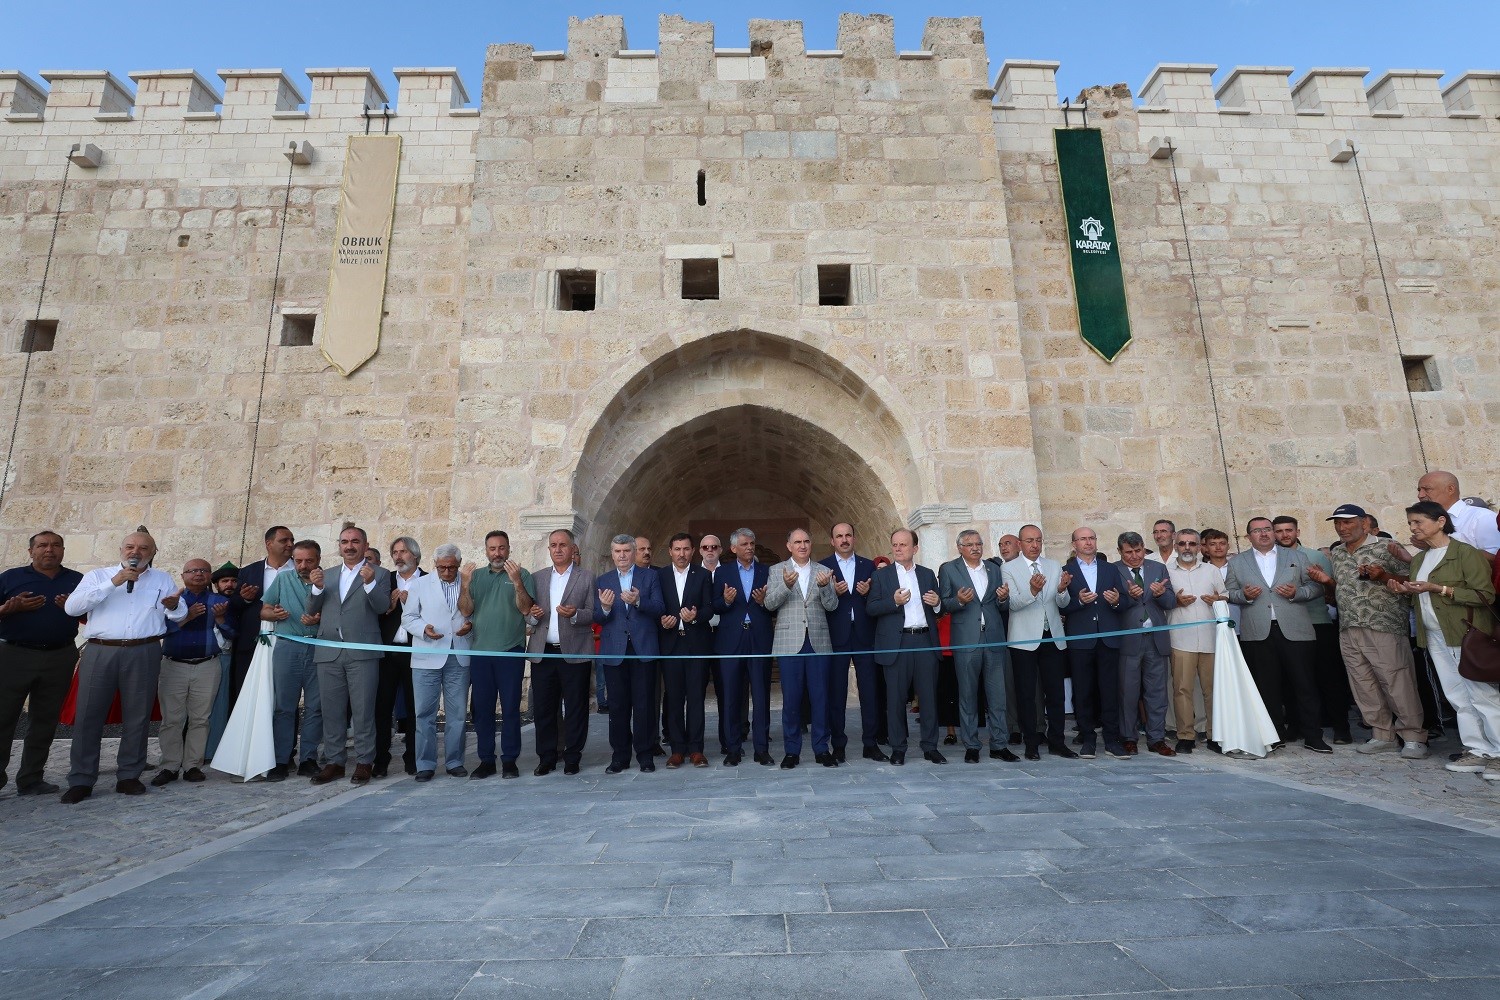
point(800, 593)
point(348, 678)
point(973, 591)
point(1146, 596)
point(562, 625)
point(1038, 592)
point(1271, 586)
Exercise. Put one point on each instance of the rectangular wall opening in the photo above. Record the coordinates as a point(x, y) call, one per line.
point(833, 284)
point(700, 279)
point(1421, 373)
point(576, 290)
point(297, 329)
point(39, 335)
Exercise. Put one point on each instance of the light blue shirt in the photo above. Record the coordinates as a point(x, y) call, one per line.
point(747, 580)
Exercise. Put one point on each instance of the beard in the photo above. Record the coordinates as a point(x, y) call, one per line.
point(1187, 560)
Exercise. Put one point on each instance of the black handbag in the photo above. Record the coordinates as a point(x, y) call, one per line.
point(1479, 656)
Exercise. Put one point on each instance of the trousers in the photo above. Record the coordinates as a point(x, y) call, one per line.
point(103, 670)
point(346, 689)
point(39, 679)
point(186, 692)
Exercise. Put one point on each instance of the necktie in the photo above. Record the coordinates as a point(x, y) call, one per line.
point(1138, 581)
point(1145, 614)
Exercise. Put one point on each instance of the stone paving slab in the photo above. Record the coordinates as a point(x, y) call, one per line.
point(1184, 877)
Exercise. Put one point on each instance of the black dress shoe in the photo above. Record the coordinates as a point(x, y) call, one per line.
point(1004, 753)
point(934, 756)
point(194, 774)
point(838, 756)
point(486, 769)
point(1062, 750)
point(648, 767)
point(458, 772)
point(1213, 745)
point(308, 769)
point(76, 794)
point(1316, 745)
point(765, 759)
point(1033, 754)
point(898, 758)
point(130, 786)
point(826, 759)
point(657, 750)
point(545, 768)
point(1186, 746)
point(425, 775)
point(732, 759)
point(380, 770)
point(1088, 751)
point(163, 777)
point(38, 788)
point(570, 768)
point(614, 768)
point(875, 753)
point(508, 769)
point(790, 761)
point(277, 773)
point(971, 756)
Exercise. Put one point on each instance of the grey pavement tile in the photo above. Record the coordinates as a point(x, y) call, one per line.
point(258, 944)
point(51, 984)
point(357, 980)
point(758, 934)
point(570, 979)
point(209, 883)
point(1413, 989)
point(207, 911)
point(617, 836)
point(1445, 907)
point(485, 940)
point(1256, 829)
point(1265, 852)
point(1307, 911)
point(156, 983)
point(1087, 887)
point(1440, 951)
point(1248, 880)
point(867, 975)
point(123, 911)
point(1157, 856)
point(927, 894)
point(1236, 993)
point(397, 907)
point(681, 872)
point(1458, 869)
point(847, 846)
point(589, 902)
point(689, 900)
point(336, 882)
point(1117, 920)
point(965, 865)
point(1264, 960)
point(800, 870)
point(1029, 970)
point(553, 876)
point(258, 859)
point(1126, 836)
point(900, 930)
point(93, 947)
point(446, 855)
point(1009, 838)
point(550, 854)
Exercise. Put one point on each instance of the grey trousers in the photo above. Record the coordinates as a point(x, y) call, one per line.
point(186, 692)
point(1145, 676)
point(916, 664)
point(103, 670)
point(968, 664)
point(346, 690)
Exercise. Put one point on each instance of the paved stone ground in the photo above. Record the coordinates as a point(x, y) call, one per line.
point(1147, 877)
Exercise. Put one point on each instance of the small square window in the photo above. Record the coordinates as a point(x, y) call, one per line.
point(833, 284)
point(297, 329)
point(700, 278)
point(576, 290)
point(1421, 373)
point(39, 335)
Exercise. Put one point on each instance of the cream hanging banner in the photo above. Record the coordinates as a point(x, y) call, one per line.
point(361, 251)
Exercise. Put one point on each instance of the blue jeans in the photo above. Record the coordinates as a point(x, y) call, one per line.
point(493, 677)
point(294, 677)
point(451, 681)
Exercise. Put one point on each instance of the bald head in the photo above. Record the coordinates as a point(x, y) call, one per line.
point(1440, 487)
point(138, 545)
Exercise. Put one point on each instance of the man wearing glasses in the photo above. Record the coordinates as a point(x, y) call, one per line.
point(1195, 581)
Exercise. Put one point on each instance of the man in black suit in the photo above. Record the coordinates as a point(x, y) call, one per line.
point(852, 633)
point(687, 599)
point(903, 601)
point(244, 606)
point(744, 643)
point(1093, 597)
point(395, 668)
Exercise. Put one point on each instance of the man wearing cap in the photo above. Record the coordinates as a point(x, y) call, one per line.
point(1373, 635)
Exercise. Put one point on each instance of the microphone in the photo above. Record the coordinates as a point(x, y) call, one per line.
point(130, 584)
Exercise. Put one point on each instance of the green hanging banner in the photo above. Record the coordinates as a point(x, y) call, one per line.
point(1093, 247)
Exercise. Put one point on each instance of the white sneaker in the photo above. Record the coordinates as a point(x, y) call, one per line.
point(1491, 771)
point(1468, 764)
point(1415, 751)
point(1373, 745)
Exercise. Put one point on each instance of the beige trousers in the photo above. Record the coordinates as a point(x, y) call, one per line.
point(1384, 682)
point(186, 692)
point(1187, 667)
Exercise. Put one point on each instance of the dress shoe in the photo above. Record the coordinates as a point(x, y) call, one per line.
point(1117, 751)
point(1003, 753)
point(194, 775)
point(38, 788)
point(1316, 745)
point(614, 768)
point(1186, 746)
point(790, 761)
point(732, 760)
point(379, 770)
point(545, 768)
point(1015, 739)
point(1342, 738)
point(508, 769)
point(971, 756)
point(698, 760)
point(361, 775)
point(674, 761)
point(1064, 751)
point(163, 777)
point(424, 775)
point(486, 769)
point(277, 773)
point(1213, 745)
point(826, 759)
point(657, 751)
point(1278, 745)
point(950, 740)
point(570, 768)
point(876, 754)
point(330, 772)
point(934, 756)
point(647, 767)
point(130, 786)
point(1131, 748)
point(309, 769)
point(411, 764)
point(765, 759)
point(1088, 751)
point(1032, 753)
point(76, 794)
point(458, 772)
point(1164, 748)
point(898, 758)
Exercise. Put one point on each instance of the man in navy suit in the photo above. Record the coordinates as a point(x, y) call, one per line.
point(904, 601)
point(628, 607)
point(852, 632)
point(687, 600)
point(1146, 596)
point(1093, 597)
point(743, 640)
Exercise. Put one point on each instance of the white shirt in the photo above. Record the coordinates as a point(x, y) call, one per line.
point(404, 583)
point(1267, 563)
point(554, 598)
point(713, 621)
point(1475, 525)
point(269, 577)
point(347, 576)
point(1090, 571)
point(846, 570)
point(1424, 600)
point(915, 616)
point(804, 576)
point(679, 576)
point(980, 577)
point(115, 614)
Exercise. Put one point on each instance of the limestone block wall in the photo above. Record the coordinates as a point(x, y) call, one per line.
point(161, 281)
point(1310, 379)
point(636, 415)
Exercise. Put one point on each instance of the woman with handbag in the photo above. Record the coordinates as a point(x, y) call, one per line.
point(1452, 592)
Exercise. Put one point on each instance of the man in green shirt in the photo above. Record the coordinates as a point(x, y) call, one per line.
point(497, 600)
point(1333, 680)
point(294, 675)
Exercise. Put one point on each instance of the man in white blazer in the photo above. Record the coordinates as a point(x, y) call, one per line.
point(1038, 589)
point(438, 631)
point(800, 593)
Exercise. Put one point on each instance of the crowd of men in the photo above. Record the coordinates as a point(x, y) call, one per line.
point(1136, 636)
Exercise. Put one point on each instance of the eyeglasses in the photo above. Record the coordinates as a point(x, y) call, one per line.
point(186, 571)
point(708, 548)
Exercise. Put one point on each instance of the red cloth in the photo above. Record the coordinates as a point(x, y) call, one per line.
point(115, 716)
point(944, 635)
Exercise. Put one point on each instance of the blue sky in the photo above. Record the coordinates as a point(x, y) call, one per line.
point(1097, 42)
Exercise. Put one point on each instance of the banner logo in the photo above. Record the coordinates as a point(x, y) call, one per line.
point(1093, 229)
